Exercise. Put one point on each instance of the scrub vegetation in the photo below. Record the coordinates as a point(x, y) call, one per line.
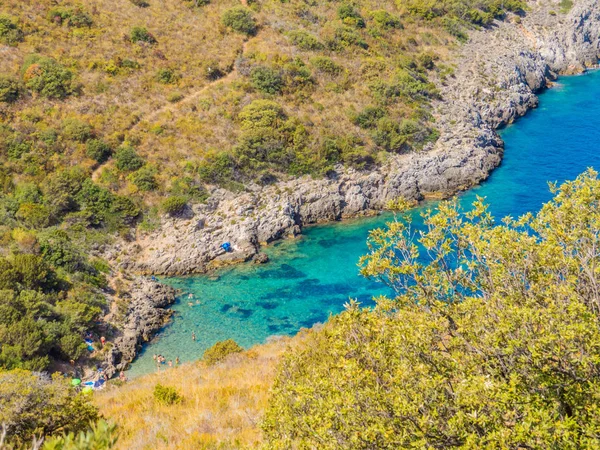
point(112, 111)
point(492, 341)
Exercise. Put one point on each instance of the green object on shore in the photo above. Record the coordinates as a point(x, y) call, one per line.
point(87, 390)
point(75, 382)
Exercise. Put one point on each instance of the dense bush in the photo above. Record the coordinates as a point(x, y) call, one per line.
point(477, 12)
point(240, 19)
point(491, 342)
point(47, 77)
point(350, 16)
point(166, 76)
point(385, 20)
point(144, 179)
point(220, 351)
point(346, 37)
point(72, 17)
point(304, 40)
point(76, 130)
point(9, 89)
point(101, 436)
point(369, 117)
point(33, 405)
point(326, 65)
point(127, 159)
point(174, 205)
point(266, 80)
point(10, 33)
point(98, 150)
point(166, 395)
point(141, 34)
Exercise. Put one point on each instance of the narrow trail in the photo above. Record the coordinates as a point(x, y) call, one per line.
point(172, 107)
point(193, 96)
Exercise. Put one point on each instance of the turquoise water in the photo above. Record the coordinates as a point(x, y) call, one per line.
point(312, 277)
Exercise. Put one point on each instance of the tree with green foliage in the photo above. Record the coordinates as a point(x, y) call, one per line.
point(141, 34)
point(102, 436)
point(492, 339)
point(174, 205)
point(144, 179)
point(47, 77)
point(266, 80)
point(166, 395)
point(9, 89)
point(220, 351)
point(240, 19)
point(34, 404)
point(98, 150)
point(10, 33)
point(127, 159)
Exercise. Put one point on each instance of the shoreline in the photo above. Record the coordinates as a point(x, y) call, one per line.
point(500, 73)
point(467, 152)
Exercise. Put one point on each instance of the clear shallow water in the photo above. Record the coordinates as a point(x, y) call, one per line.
point(310, 278)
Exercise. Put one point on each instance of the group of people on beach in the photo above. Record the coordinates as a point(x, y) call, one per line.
point(161, 360)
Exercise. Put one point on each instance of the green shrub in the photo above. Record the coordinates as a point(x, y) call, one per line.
point(350, 16)
point(34, 215)
point(76, 130)
point(33, 404)
point(141, 34)
point(166, 76)
point(304, 40)
point(72, 17)
point(369, 117)
point(9, 89)
point(216, 168)
point(127, 159)
point(10, 33)
point(220, 351)
point(347, 37)
point(167, 395)
point(175, 97)
point(101, 436)
point(144, 179)
point(140, 3)
point(267, 80)
point(125, 209)
point(326, 65)
point(47, 77)
point(426, 61)
point(98, 150)
point(385, 20)
point(174, 205)
point(466, 344)
point(239, 19)
point(198, 3)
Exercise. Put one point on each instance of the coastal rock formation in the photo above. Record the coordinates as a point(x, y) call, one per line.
point(498, 74)
point(146, 315)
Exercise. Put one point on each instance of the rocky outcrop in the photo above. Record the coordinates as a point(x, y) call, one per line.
point(146, 315)
point(498, 75)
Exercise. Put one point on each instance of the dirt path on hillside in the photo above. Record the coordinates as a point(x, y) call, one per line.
point(172, 107)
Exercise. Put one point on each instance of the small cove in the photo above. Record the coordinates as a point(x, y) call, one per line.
point(312, 277)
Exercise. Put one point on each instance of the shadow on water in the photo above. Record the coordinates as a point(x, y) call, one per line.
point(311, 278)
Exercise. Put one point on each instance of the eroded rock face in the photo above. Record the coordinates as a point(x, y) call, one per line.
point(498, 74)
point(146, 315)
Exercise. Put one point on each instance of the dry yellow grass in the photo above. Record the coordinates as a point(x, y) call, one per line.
point(222, 408)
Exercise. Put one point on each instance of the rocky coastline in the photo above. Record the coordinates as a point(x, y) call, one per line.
point(499, 73)
point(147, 313)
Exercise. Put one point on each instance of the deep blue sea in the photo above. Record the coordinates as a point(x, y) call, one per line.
point(312, 277)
